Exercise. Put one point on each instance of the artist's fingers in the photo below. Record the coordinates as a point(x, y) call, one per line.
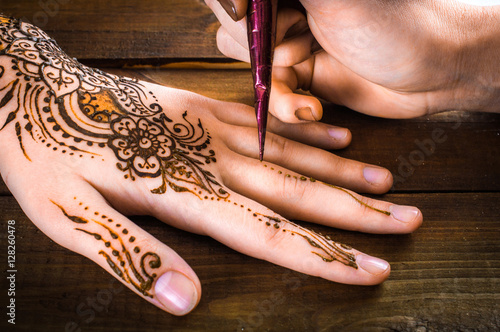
point(316, 163)
point(327, 78)
point(294, 51)
point(227, 45)
point(299, 197)
point(289, 106)
point(288, 53)
point(285, 104)
point(294, 41)
point(234, 9)
point(84, 222)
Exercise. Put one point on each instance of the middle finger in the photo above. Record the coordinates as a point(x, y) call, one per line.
point(312, 161)
point(299, 197)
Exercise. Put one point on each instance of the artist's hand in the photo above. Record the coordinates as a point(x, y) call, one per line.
point(80, 149)
point(395, 59)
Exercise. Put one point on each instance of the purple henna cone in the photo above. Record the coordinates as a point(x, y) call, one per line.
point(261, 38)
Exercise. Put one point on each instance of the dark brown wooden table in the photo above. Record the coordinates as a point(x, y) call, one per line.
point(446, 275)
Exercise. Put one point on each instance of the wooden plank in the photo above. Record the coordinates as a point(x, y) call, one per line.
point(3, 188)
point(446, 277)
point(427, 154)
point(135, 29)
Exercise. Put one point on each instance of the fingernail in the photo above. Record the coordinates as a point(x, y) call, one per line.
point(375, 175)
point(338, 133)
point(372, 265)
point(296, 30)
point(176, 292)
point(305, 113)
point(229, 8)
point(315, 47)
point(404, 213)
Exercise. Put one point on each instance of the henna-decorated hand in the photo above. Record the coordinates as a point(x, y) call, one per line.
point(82, 148)
point(394, 59)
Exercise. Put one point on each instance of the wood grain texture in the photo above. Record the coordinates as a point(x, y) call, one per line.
point(446, 277)
point(129, 30)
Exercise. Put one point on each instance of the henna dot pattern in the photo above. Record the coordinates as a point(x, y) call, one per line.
point(323, 247)
point(116, 253)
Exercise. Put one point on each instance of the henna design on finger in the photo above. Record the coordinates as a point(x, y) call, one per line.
point(323, 246)
point(75, 109)
point(387, 213)
point(304, 178)
point(115, 250)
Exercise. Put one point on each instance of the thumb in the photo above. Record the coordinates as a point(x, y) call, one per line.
point(289, 106)
point(85, 223)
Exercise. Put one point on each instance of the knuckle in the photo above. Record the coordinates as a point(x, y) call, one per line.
point(370, 210)
point(296, 189)
point(280, 147)
point(363, 205)
point(273, 236)
point(288, 58)
point(339, 166)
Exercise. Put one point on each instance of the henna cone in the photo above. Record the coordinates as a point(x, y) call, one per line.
point(261, 39)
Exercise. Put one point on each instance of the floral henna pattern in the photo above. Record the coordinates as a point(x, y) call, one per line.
point(70, 107)
point(140, 145)
point(152, 149)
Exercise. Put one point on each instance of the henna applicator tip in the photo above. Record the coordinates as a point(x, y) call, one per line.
point(261, 26)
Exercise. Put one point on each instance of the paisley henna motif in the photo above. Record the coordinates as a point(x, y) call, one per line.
point(70, 107)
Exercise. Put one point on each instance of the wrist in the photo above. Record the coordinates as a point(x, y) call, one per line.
point(478, 72)
point(463, 48)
